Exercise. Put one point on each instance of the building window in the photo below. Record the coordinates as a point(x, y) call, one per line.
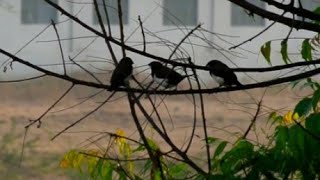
point(37, 12)
point(239, 16)
point(180, 12)
point(112, 7)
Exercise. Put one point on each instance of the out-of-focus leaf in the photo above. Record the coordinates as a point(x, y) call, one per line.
point(153, 145)
point(219, 149)
point(211, 140)
point(303, 107)
point(315, 99)
point(178, 170)
point(306, 50)
point(317, 11)
point(313, 123)
point(284, 51)
point(107, 170)
point(233, 160)
point(282, 135)
point(139, 149)
point(266, 51)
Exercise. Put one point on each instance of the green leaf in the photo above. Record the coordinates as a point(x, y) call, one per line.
point(303, 107)
point(157, 175)
point(315, 99)
point(317, 11)
point(107, 171)
point(122, 175)
point(313, 123)
point(295, 83)
point(296, 143)
point(178, 170)
point(306, 50)
point(282, 135)
point(139, 148)
point(234, 160)
point(284, 51)
point(211, 140)
point(153, 145)
point(219, 149)
point(266, 51)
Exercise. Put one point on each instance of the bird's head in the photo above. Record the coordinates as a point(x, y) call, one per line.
point(212, 63)
point(127, 60)
point(155, 64)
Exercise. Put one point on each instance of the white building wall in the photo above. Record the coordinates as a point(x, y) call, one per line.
point(214, 15)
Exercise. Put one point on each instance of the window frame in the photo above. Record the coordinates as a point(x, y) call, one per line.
point(36, 12)
point(255, 21)
point(125, 14)
point(171, 18)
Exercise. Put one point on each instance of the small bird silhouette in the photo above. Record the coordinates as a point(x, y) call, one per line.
point(165, 76)
point(121, 74)
point(221, 73)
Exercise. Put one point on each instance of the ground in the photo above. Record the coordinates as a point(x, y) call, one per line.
point(228, 116)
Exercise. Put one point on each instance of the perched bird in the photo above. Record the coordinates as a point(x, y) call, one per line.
point(165, 76)
point(121, 74)
point(221, 73)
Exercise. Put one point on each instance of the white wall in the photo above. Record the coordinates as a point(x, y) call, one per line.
point(14, 35)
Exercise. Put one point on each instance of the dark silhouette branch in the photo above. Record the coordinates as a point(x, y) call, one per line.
point(256, 35)
point(121, 29)
point(175, 92)
point(104, 35)
point(22, 80)
point(38, 120)
point(294, 10)
point(83, 117)
point(60, 46)
point(143, 35)
point(276, 17)
point(253, 121)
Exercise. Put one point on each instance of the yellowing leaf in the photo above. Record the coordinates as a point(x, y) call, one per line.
point(120, 140)
point(290, 117)
point(64, 164)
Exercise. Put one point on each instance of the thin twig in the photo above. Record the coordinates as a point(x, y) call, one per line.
point(82, 118)
point(25, 79)
point(107, 17)
point(104, 33)
point(143, 35)
point(182, 40)
point(255, 36)
point(60, 46)
point(253, 121)
point(121, 29)
point(38, 120)
point(84, 69)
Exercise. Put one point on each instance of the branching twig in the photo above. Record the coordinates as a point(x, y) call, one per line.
point(38, 120)
point(255, 36)
point(84, 117)
point(104, 35)
point(182, 40)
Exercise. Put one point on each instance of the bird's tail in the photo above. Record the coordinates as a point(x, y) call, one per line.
point(111, 88)
point(238, 83)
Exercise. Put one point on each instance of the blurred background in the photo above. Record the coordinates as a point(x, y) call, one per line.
point(26, 31)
